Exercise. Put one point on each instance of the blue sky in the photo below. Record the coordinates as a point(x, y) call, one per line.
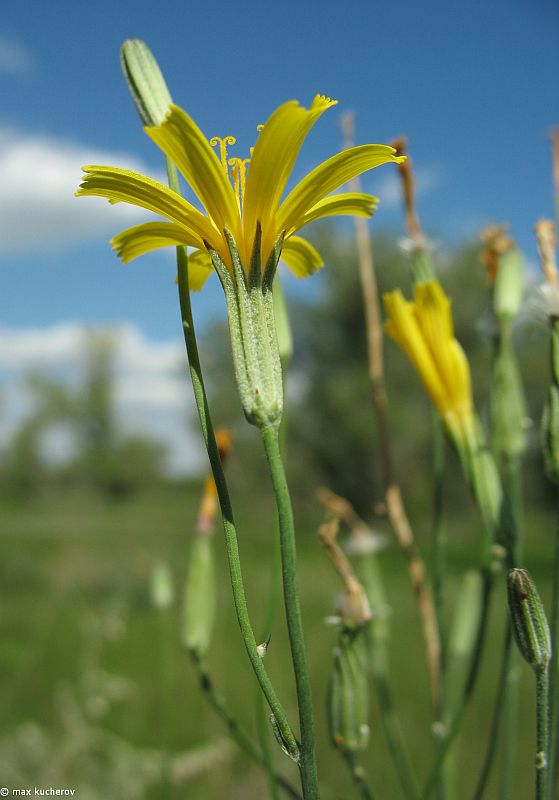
point(472, 84)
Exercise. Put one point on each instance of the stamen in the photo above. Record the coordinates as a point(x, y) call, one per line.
point(223, 144)
point(238, 174)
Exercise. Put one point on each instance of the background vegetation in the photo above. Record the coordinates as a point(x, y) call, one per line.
point(96, 692)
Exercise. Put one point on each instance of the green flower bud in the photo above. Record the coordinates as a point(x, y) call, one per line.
point(487, 486)
point(162, 590)
point(550, 434)
point(348, 700)
point(199, 596)
point(509, 285)
point(466, 615)
point(145, 82)
point(528, 619)
point(462, 638)
point(508, 409)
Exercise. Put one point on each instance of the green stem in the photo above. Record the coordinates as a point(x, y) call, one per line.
point(392, 733)
point(508, 713)
point(307, 763)
point(376, 638)
point(263, 727)
point(223, 494)
point(439, 532)
point(500, 702)
point(238, 733)
point(507, 692)
point(226, 510)
point(473, 672)
point(358, 776)
point(542, 733)
point(510, 720)
point(439, 574)
point(554, 663)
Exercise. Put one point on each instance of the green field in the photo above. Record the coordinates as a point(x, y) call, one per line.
point(98, 695)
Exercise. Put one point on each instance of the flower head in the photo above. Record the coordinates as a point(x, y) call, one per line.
point(241, 198)
point(423, 329)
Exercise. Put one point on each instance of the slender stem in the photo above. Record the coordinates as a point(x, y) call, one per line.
point(554, 663)
point(284, 340)
point(380, 673)
point(439, 574)
point(393, 735)
point(376, 637)
point(226, 510)
point(508, 713)
point(393, 497)
point(469, 686)
point(307, 764)
point(507, 691)
point(500, 701)
point(359, 776)
point(439, 532)
point(263, 728)
point(510, 720)
point(236, 730)
point(542, 733)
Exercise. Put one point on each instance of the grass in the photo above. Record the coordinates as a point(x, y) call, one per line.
point(84, 651)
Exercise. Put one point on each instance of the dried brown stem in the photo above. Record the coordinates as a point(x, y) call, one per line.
point(496, 241)
point(408, 191)
point(555, 158)
point(546, 239)
point(355, 609)
point(393, 497)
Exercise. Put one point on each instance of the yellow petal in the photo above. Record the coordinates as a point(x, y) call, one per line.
point(271, 165)
point(403, 327)
point(301, 257)
point(355, 204)
point(200, 268)
point(327, 177)
point(140, 239)
point(185, 144)
point(435, 319)
point(150, 236)
point(121, 185)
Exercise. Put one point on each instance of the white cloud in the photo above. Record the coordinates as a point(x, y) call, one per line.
point(39, 175)
point(15, 58)
point(151, 388)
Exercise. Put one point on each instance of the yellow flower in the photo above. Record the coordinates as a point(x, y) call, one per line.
point(423, 329)
point(238, 195)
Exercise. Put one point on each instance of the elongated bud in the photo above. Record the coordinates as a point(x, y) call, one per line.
point(463, 630)
point(162, 590)
point(529, 622)
point(487, 487)
point(550, 434)
point(508, 407)
point(145, 81)
point(466, 615)
point(550, 419)
point(348, 700)
point(199, 596)
point(509, 285)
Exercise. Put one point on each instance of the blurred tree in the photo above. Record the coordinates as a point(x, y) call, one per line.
point(113, 463)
